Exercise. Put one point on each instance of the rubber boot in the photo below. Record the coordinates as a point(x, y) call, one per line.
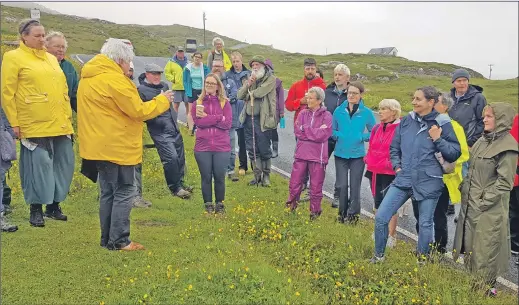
point(275, 152)
point(265, 182)
point(258, 171)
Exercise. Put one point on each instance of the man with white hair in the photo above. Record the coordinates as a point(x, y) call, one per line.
point(110, 116)
point(335, 94)
point(56, 45)
point(259, 118)
point(218, 53)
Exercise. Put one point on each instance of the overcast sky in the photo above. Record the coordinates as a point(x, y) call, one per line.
point(468, 34)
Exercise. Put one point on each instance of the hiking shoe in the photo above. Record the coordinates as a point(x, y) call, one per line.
point(133, 246)
point(335, 203)
point(219, 208)
point(139, 202)
point(341, 219)
point(6, 226)
point(391, 242)
point(182, 193)
point(36, 216)
point(451, 210)
point(53, 211)
point(188, 188)
point(377, 259)
point(314, 215)
point(232, 176)
point(209, 207)
point(242, 172)
point(352, 219)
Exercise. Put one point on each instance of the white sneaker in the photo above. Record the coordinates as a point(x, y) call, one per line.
point(391, 242)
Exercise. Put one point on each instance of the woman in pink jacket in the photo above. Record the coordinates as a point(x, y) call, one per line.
point(379, 169)
point(313, 129)
point(213, 119)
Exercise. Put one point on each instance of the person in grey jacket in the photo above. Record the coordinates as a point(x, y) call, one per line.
point(165, 134)
point(4, 167)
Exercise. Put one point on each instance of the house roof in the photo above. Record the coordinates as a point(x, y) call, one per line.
point(382, 51)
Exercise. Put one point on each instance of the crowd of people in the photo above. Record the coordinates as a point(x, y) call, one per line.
point(452, 148)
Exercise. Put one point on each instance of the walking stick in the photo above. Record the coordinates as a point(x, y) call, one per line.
point(253, 132)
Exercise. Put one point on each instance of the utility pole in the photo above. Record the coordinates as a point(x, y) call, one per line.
point(205, 45)
point(490, 66)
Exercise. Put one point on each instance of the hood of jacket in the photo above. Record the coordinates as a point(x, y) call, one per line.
point(100, 64)
point(181, 62)
point(504, 117)
point(243, 69)
point(473, 90)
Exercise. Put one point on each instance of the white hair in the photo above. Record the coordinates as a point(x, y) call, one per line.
point(392, 105)
point(319, 93)
point(53, 34)
point(117, 51)
point(447, 100)
point(218, 39)
point(342, 68)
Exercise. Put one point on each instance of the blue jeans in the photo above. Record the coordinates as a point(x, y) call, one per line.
point(4, 167)
point(394, 199)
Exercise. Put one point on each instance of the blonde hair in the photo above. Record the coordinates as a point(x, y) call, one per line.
point(53, 34)
point(392, 105)
point(220, 90)
point(236, 54)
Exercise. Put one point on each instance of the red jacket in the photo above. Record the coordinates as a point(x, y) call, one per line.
point(298, 91)
point(378, 159)
point(515, 133)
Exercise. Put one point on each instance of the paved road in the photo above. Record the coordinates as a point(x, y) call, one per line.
point(285, 159)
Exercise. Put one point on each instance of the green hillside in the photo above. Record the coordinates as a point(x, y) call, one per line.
point(384, 77)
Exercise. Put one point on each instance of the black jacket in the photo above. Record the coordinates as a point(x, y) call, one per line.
point(468, 112)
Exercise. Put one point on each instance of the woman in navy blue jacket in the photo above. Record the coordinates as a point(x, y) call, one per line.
point(419, 175)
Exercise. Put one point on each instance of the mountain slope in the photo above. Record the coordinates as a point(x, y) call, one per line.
point(31, 5)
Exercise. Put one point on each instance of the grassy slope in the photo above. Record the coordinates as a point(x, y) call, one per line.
point(86, 37)
point(256, 254)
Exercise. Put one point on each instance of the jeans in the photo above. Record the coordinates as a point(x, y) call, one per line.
point(242, 149)
point(394, 199)
point(232, 159)
point(4, 167)
point(118, 188)
point(441, 233)
point(138, 179)
point(6, 197)
point(212, 165)
point(349, 204)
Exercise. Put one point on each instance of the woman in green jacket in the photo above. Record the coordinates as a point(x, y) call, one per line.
point(482, 232)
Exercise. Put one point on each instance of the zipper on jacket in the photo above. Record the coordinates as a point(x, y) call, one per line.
point(212, 128)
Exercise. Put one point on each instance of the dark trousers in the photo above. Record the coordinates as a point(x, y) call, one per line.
point(262, 139)
point(441, 233)
point(275, 136)
point(242, 149)
point(6, 196)
point(212, 165)
point(170, 147)
point(514, 218)
point(349, 204)
point(331, 148)
point(118, 188)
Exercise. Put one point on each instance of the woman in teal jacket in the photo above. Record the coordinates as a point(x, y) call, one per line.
point(193, 79)
point(352, 124)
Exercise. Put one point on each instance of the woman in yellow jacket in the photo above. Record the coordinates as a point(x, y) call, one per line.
point(110, 117)
point(36, 102)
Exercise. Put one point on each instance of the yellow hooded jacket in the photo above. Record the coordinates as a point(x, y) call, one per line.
point(111, 112)
point(453, 180)
point(175, 74)
point(35, 93)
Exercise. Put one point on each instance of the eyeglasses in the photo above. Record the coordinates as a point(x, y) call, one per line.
point(199, 57)
point(217, 66)
point(211, 84)
point(353, 93)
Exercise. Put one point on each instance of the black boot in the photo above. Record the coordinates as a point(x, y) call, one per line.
point(220, 208)
point(275, 152)
point(266, 173)
point(36, 218)
point(54, 211)
point(258, 172)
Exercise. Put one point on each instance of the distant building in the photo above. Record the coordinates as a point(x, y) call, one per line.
point(391, 51)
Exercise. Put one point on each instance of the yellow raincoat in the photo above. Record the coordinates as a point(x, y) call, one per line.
point(35, 93)
point(453, 180)
point(110, 113)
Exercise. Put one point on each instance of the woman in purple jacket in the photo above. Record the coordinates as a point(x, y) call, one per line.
point(312, 130)
point(213, 118)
